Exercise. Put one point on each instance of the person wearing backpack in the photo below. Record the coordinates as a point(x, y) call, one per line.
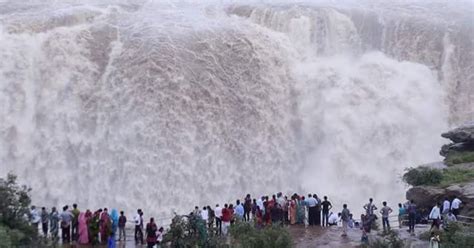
point(345, 217)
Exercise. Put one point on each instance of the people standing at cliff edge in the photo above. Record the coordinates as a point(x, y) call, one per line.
point(326, 206)
point(411, 217)
point(345, 217)
point(385, 211)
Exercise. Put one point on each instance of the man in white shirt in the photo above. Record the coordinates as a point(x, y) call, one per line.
point(455, 206)
point(218, 213)
point(333, 219)
point(260, 203)
point(435, 215)
point(35, 217)
point(137, 220)
point(311, 202)
point(205, 215)
point(446, 206)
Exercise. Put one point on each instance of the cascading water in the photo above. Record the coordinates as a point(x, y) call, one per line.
point(163, 106)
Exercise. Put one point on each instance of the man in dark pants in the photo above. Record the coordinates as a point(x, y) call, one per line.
point(411, 217)
point(311, 210)
point(138, 227)
point(66, 220)
point(326, 207)
point(218, 214)
point(75, 222)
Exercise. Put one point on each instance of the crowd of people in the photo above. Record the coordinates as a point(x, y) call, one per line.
point(102, 227)
point(99, 227)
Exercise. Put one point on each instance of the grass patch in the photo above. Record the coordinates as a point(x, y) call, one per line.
point(455, 157)
point(436, 177)
point(454, 175)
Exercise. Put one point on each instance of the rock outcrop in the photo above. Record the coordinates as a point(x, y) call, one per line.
point(426, 196)
point(461, 150)
point(463, 134)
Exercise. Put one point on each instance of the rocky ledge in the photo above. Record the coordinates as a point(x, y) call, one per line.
point(459, 156)
point(426, 196)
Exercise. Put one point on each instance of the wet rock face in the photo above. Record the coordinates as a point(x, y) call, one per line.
point(427, 196)
point(464, 134)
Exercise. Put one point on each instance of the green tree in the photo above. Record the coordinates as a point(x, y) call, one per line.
point(14, 209)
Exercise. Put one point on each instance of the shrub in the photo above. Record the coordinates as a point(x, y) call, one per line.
point(15, 200)
point(390, 239)
point(422, 176)
point(246, 235)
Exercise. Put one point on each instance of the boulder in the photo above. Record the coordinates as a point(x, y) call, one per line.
point(463, 134)
point(426, 196)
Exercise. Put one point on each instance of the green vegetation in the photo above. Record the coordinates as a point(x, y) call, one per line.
point(246, 235)
point(422, 176)
point(15, 230)
point(456, 157)
point(455, 175)
point(454, 236)
point(189, 231)
point(389, 239)
point(437, 177)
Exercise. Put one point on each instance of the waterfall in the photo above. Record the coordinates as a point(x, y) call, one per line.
point(165, 106)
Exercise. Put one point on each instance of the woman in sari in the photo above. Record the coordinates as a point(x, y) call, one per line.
point(83, 230)
point(105, 227)
point(300, 210)
point(293, 210)
point(114, 217)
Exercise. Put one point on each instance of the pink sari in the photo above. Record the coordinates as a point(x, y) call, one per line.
point(83, 230)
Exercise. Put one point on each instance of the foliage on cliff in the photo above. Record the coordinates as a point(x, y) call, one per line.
point(437, 177)
point(453, 158)
point(190, 231)
point(14, 227)
point(246, 235)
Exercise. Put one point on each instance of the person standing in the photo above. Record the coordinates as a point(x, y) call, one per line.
point(401, 214)
point(385, 211)
point(411, 217)
point(326, 206)
point(66, 220)
point(44, 221)
point(446, 206)
point(345, 217)
point(226, 218)
point(82, 230)
point(205, 215)
point(370, 207)
point(239, 211)
point(247, 207)
point(75, 220)
point(35, 217)
point(105, 226)
point(151, 230)
point(53, 223)
point(293, 208)
point(317, 213)
point(211, 218)
point(455, 205)
point(218, 213)
point(311, 203)
point(121, 225)
point(138, 227)
point(435, 215)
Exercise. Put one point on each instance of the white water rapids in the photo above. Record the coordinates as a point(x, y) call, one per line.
point(167, 105)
